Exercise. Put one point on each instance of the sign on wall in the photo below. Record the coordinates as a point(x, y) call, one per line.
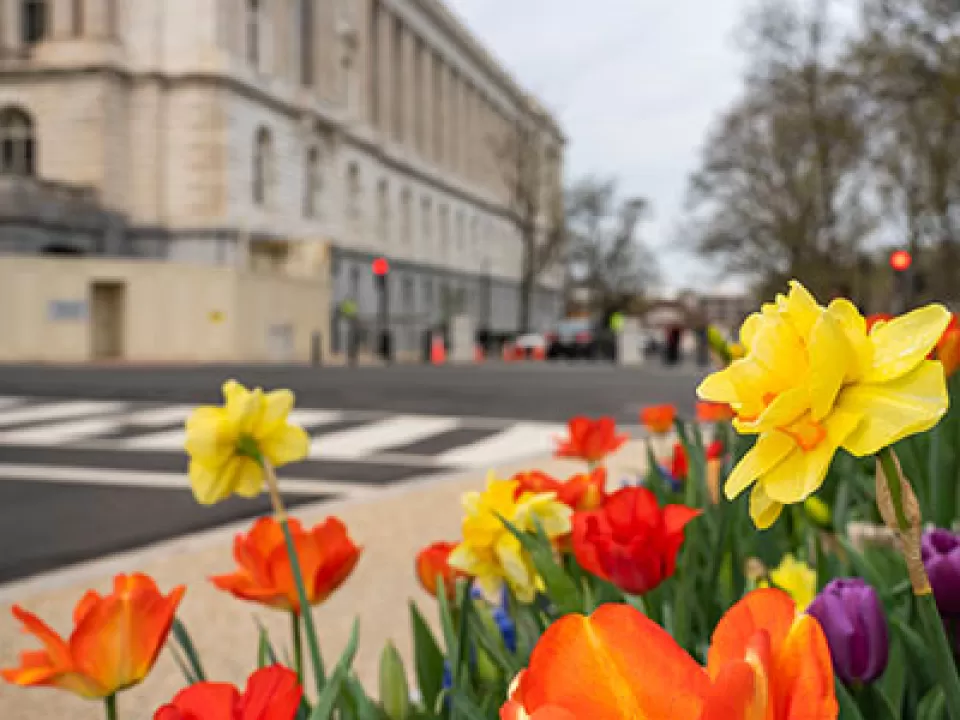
point(67, 310)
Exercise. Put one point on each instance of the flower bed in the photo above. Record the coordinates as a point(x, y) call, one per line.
point(678, 595)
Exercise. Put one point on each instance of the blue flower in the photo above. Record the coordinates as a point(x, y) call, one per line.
point(508, 628)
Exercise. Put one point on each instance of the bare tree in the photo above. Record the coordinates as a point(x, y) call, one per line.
point(528, 166)
point(604, 243)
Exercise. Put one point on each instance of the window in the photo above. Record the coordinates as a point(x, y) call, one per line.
point(262, 166)
point(443, 231)
point(354, 191)
point(253, 33)
point(312, 184)
point(77, 18)
point(406, 231)
point(17, 143)
point(426, 209)
point(306, 43)
point(461, 224)
point(33, 21)
point(383, 212)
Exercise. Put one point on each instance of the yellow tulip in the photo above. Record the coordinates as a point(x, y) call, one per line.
point(813, 380)
point(490, 552)
point(795, 578)
point(226, 444)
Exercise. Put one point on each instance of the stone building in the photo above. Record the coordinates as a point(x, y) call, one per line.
point(284, 135)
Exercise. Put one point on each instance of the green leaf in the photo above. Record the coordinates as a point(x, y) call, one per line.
point(183, 639)
point(463, 646)
point(363, 706)
point(861, 566)
point(328, 698)
point(428, 658)
point(848, 706)
point(894, 680)
point(265, 652)
point(561, 589)
point(916, 649)
point(394, 690)
point(465, 706)
point(874, 704)
point(492, 642)
point(933, 706)
point(184, 667)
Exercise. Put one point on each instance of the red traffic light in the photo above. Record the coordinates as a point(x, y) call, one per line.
point(900, 260)
point(380, 266)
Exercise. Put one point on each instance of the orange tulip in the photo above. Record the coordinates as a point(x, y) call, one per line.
point(590, 440)
point(765, 663)
point(658, 419)
point(584, 491)
point(433, 561)
point(948, 348)
point(712, 412)
point(326, 553)
point(114, 644)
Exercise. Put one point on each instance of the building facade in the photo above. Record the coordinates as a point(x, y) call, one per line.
point(282, 135)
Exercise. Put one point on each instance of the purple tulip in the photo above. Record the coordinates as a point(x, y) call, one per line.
point(852, 618)
point(941, 556)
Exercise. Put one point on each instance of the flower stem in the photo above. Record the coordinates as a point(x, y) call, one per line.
point(297, 645)
point(310, 629)
point(110, 704)
point(889, 465)
point(930, 621)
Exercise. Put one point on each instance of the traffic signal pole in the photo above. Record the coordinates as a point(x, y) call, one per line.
point(381, 270)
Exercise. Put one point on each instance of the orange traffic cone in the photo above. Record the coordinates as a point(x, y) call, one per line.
point(438, 353)
point(478, 356)
point(508, 352)
point(539, 353)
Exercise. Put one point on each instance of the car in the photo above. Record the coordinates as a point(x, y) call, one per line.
point(578, 338)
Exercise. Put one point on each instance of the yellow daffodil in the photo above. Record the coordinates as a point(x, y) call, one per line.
point(226, 443)
point(795, 578)
point(490, 552)
point(813, 380)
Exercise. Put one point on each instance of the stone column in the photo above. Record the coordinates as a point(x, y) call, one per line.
point(426, 106)
point(62, 18)
point(408, 98)
point(9, 25)
point(384, 74)
point(453, 119)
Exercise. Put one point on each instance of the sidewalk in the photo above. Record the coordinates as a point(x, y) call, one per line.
point(391, 528)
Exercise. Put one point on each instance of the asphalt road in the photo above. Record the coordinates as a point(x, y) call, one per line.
point(92, 462)
point(534, 391)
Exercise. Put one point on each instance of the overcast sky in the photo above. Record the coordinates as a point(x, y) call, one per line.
point(635, 85)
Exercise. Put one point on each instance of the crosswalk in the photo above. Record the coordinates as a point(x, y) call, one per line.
point(129, 428)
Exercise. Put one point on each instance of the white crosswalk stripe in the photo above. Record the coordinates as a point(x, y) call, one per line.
point(379, 438)
point(368, 439)
point(521, 440)
point(58, 411)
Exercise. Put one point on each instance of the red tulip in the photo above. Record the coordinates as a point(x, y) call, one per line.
point(631, 541)
point(715, 450)
point(433, 562)
point(272, 693)
point(679, 463)
point(590, 440)
point(712, 412)
point(948, 348)
point(585, 491)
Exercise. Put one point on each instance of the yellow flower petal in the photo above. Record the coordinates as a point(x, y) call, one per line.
point(511, 556)
point(891, 411)
point(286, 444)
point(770, 449)
point(832, 356)
point(854, 328)
point(763, 510)
point(207, 483)
point(785, 409)
point(801, 308)
point(904, 342)
point(276, 407)
point(243, 476)
point(208, 436)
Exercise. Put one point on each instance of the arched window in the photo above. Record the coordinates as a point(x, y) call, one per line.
point(33, 20)
point(253, 32)
point(312, 184)
point(17, 143)
point(262, 166)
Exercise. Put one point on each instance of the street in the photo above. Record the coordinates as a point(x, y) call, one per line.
point(92, 461)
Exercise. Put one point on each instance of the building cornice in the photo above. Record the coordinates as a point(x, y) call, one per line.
point(445, 19)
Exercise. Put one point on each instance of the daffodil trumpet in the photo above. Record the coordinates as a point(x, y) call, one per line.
point(900, 511)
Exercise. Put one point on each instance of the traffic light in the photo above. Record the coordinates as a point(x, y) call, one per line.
point(900, 260)
point(380, 267)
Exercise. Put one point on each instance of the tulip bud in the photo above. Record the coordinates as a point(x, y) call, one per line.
point(853, 621)
point(940, 550)
point(394, 691)
point(818, 512)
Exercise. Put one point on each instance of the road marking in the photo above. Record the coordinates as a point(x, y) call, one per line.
point(58, 411)
point(63, 432)
point(366, 440)
point(176, 481)
point(174, 439)
point(7, 401)
point(157, 417)
point(523, 439)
